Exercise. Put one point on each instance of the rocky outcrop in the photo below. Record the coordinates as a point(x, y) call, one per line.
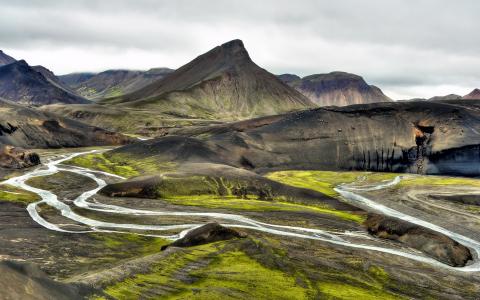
point(30, 128)
point(335, 88)
point(17, 158)
point(208, 233)
point(434, 244)
point(27, 282)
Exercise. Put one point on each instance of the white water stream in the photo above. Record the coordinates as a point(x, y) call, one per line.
point(234, 220)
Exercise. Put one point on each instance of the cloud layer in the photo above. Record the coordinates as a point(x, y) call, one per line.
point(409, 48)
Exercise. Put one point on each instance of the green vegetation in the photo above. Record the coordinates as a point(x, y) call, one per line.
point(98, 161)
point(235, 203)
point(325, 181)
point(13, 194)
point(125, 243)
point(336, 290)
point(428, 180)
point(209, 272)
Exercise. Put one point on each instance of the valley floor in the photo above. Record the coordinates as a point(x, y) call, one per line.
point(126, 262)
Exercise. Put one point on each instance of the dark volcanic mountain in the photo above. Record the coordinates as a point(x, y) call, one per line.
point(113, 83)
point(30, 128)
point(418, 137)
point(23, 84)
point(336, 88)
point(223, 83)
point(5, 59)
point(475, 94)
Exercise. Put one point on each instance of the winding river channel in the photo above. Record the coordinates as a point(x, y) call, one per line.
point(234, 220)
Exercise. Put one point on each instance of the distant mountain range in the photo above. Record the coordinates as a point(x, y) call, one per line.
point(112, 83)
point(335, 88)
point(24, 84)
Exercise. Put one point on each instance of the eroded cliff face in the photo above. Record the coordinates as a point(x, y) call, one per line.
point(416, 137)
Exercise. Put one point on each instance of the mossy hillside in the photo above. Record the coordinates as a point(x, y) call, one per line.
point(235, 203)
point(12, 194)
point(98, 161)
point(325, 181)
point(175, 186)
point(210, 272)
point(237, 194)
point(249, 269)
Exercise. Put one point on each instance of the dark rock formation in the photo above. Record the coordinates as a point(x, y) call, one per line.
point(208, 233)
point(335, 88)
point(17, 158)
point(29, 128)
point(27, 282)
point(434, 244)
point(417, 137)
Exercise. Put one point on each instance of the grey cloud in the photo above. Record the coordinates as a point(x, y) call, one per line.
point(393, 43)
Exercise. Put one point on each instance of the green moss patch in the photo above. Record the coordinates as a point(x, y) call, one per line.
point(336, 290)
point(12, 194)
point(99, 162)
point(325, 181)
point(427, 180)
point(209, 272)
point(235, 203)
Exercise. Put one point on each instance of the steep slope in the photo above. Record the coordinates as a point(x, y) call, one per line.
point(113, 83)
point(5, 59)
point(475, 94)
point(52, 78)
point(335, 88)
point(418, 137)
point(22, 84)
point(74, 79)
point(223, 83)
point(30, 128)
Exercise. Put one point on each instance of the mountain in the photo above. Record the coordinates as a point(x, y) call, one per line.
point(112, 82)
point(29, 128)
point(74, 79)
point(475, 94)
point(23, 84)
point(223, 83)
point(5, 59)
point(446, 97)
point(418, 137)
point(335, 88)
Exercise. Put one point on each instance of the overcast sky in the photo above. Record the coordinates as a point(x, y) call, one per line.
point(409, 48)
